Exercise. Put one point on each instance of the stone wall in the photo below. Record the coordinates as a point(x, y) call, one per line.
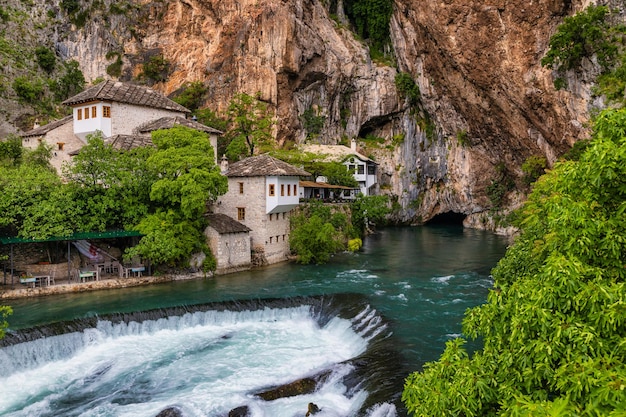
point(231, 250)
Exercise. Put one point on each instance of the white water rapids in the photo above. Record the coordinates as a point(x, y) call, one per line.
point(203, 363)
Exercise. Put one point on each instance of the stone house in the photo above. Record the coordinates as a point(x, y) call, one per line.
point(229, 241)
point(124, 113)
point(364, 169)
point(262, 192)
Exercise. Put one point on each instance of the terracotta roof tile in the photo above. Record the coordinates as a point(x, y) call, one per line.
point(126, 93)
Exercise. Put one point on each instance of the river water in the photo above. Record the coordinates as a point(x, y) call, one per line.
point(357, 325)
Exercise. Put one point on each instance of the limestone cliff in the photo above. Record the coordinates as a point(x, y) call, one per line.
point(486, 103)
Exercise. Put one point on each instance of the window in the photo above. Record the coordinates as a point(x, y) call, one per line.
point(94, 112)
point(241, 213)
point(60, 145)
point(106, 111)
point(288, 189)
point(361, 169)
point(283, 215)
point(86, 112)
point(371, 170)
point(272, 192)
point(270, 216)
point(270, 239)
point(241, 188)
point(79, 114)
point(295, 189)
point(351, 168)
point(282, 189)
point(283, 238)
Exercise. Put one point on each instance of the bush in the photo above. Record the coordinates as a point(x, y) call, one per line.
point(192, 96)
point(407, 88)
point(533, 168)
point(156, 69)
point(45, 58)
point(28, 91)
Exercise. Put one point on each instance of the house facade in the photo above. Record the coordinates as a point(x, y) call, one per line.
point(364, 169)
point(229, 241)
point(126, 114)
point(262, 192)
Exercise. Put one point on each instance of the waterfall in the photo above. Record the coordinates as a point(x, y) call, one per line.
point(205, 359)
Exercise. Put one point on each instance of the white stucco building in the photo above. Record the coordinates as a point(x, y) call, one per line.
point(364, 169)
point(124, 113)
point(262, 192)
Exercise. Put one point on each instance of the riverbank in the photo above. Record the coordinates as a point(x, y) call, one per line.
point(64, 287)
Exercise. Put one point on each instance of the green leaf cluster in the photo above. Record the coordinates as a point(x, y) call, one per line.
point(407, 88)
point(554, 326)
point(5, 311)
point(251, 122)
point(371, 20)
point(192, 95)
point(156, 69)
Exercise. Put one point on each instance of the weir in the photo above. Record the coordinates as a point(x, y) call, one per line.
point(364, 368)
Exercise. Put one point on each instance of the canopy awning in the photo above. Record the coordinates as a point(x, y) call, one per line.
point(109, 234)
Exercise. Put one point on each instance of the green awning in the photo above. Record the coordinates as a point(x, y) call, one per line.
point(109, 234)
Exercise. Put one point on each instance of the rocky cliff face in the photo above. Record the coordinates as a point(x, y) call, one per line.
point(486, 103)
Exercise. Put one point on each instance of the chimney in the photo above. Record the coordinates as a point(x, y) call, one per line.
point(224, 165)
point(353, 145)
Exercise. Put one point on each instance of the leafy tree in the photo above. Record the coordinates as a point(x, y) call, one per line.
point(251, 123)
point(45, 58)
point(156, 69)
point(192, 96)
point(11, 151)
point(337, 174)
point(71, 83)
point(314, 240)
point(27, 90)
point(369, 210)
point(533, 168)
point(186, 180)
point(5, 311)
point(553, 327)
point(208, 117)
point(371, 20)
point(313, 122)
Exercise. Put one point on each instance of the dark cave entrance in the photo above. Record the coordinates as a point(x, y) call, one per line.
point(449, 217)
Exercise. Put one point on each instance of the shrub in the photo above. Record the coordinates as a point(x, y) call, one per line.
point(407, 88)
point(26, 90)
point(192, 96)
point(45, 58)
point(156, 69)
point(533, 168)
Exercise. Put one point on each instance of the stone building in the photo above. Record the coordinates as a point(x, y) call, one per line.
point(124, 113)
point(262, 192)
point(229, 241)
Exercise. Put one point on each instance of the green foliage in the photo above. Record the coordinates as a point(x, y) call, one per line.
point(500, 186)
point(11, 151)
point(209, 118)
point(192, 96)
point(462, 138)
point(313, 237)
point(586, 34)
point(156, 69)
point(4, 15)
point(371, 20)
point(71, 83)
point(5, 311)
point(533, 168)
point(187, 175)
point(368, 211)
point(337, 174)
point(407, 88)
point(313, 122)
point(251, 122)
point(355, 244)
point(45, 58)
point(553, 328)
point(579, 36)
point(70, 6)
point(114, 69)
point(28, 91)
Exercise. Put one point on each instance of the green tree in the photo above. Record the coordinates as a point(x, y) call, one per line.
point(45, 58)
point(371, 20)
point(314, 240)
point(186, 180)
point(553, 329)
point(251, 122)
point(156, 69)
point(11, 151)
point(369, 210)
point(27, 90)
point(5, 311)
point(337, 174)
point(71, 82)
point(192, 95)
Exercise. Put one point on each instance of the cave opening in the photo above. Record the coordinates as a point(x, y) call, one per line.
point(449, 217)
